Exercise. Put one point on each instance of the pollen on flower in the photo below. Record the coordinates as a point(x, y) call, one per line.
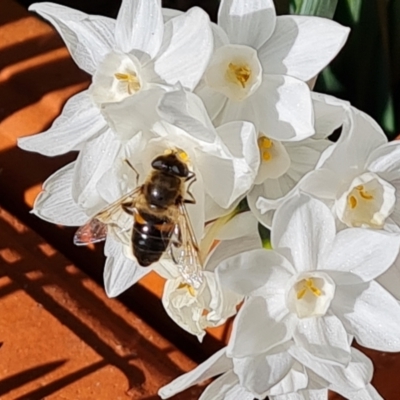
point(352, 202)
point(310, 294)
point(238, 74)
point(188, 287)
point(364, 194)
point(307, 285)
point(131, 79)
point(265, 146)
point(360, 193)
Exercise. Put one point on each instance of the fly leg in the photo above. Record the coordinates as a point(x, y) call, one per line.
point(191, 179)
point(128, 207)
point(133, 169)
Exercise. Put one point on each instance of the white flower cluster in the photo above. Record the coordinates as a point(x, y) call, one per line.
point(184, 114)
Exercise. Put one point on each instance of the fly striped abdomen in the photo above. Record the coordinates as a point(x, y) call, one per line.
point(150, 237)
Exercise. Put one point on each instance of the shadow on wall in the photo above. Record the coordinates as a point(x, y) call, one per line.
point(110, 7)
point(61, 290)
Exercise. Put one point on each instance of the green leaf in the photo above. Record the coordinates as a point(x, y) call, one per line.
point(318, 8)
point(394, 43)
point(242, 206)
point(362, 72)
point(354, 7)
point(265, 235)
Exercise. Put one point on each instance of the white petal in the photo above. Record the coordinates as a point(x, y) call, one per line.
point(249, 271)
point(226, 387)
point(250, 23)
point(79, 121)
point(217, 364)
point(302, 46)
point(140, 26)
point(303, 229)
point(369, 313)
point(288, 396)
point(241, 140)
point(169, 13)
point(186, 111)
point(258, 374)
point(280, 109)
point(318, 394)
point(321, 394)
point(324, 337)
point(120, 179)
point(88, 38)
point(304, 156)
point(277, 190)
point(220, 36)
point(294, 381)
point(322, 183)
point(258, 327)
point(186, 49)
point(241, 225)
point(229, 248)
point(390, 280)
point(360, 136)
point(223, 303)
point(213, 100)
point(213, 210)
point(120, 272)
point(303, 395)
point(329, 113)
point(135, 113)
point(213, 168)
point(357, 374)
point(385, 161)
point(359, 251)
point(263, 212)
point(96, 157)
point(55, 204)
point(284, 108)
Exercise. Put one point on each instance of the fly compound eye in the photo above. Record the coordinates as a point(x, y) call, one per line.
point(176, 170)
point(180, 169)
point(171, 164)
point(159, 164)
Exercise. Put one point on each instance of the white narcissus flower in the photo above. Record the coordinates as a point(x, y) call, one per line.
point(359, 178)
point(286, 373)
point(128, 57)
point(261, 63)
point(284, 163)
point(316, 287)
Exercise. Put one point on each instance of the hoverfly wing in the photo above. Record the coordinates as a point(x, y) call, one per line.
point(184, 250)
point(92, 232)
point(95, 230)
